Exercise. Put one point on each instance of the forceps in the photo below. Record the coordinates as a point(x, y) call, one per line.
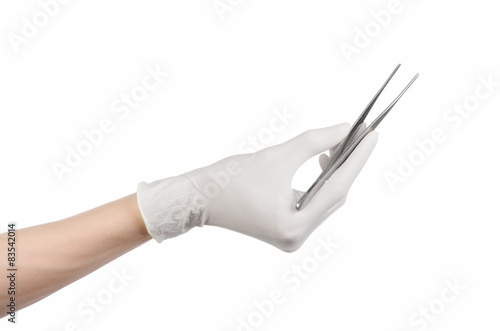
point(350, 142)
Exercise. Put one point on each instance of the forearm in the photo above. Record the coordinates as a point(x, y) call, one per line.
point(56, 254)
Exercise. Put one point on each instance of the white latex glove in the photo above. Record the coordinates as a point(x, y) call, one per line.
point(252, 194)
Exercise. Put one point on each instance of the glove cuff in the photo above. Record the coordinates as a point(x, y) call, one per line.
point(171, 206)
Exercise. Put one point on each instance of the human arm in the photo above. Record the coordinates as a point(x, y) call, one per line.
point(55, 254)
point(250, 194)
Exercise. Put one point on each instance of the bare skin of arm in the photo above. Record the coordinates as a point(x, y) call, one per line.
point(56, 254)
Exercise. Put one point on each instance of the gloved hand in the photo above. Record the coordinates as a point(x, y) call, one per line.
point(252, 194)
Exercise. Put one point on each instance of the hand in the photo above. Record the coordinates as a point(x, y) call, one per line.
point(252, 193)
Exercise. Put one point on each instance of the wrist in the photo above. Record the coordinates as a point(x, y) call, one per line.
point(136, 216)
point(170, 207)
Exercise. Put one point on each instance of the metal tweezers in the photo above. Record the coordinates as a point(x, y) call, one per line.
point(350, 142)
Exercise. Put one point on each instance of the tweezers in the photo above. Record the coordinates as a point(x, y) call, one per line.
point(350, 142)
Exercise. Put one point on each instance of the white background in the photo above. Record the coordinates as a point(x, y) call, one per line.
point(397, 247)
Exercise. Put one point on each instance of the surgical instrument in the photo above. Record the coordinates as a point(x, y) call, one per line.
point(350, 142)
